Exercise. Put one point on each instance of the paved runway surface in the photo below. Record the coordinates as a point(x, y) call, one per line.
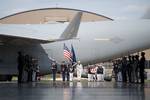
point(73, 91)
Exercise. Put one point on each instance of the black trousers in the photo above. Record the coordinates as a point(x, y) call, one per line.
point(64, 75)
point(54, 75)
point(124, 76)
point(142, 75)
point(20, 71)
point(29, 76)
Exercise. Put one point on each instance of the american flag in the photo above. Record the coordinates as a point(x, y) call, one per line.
point(67, 53)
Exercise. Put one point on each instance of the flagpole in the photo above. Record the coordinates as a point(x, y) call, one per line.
point(73, 55)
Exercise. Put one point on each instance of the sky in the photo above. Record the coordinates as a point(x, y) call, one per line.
point(115, 9)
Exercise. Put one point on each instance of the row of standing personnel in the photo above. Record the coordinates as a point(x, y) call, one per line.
point(28, 68)
point(67, 70)
point(130, 70)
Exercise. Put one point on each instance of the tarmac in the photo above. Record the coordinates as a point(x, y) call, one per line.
point(84, 90)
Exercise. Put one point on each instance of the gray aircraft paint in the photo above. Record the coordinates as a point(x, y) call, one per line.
point(125, 37)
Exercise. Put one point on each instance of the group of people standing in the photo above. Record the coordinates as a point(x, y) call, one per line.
point(28, 69)
point(130, 69)
point(67, 70)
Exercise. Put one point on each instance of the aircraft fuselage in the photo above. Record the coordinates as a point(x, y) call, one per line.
point(98, 41)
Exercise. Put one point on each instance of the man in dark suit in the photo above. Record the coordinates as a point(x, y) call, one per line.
point(142, 67)
point(20, 61)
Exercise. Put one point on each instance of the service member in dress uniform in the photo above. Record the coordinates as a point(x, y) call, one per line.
point(54, 70)
point(63, 70)
point(79, 68)
point(100, 73)
point(71, 71)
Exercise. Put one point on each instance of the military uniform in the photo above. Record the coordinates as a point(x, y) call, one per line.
point(54, 71)
point(89, 74)
point(79, 71)
point(63, 70)
point(100, 74)
point(71, 70)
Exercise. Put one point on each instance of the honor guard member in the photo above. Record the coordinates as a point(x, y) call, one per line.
point(100, 73)
point(133, 71)
point(119, 71)
point(30, 71)
point(124, 69)
point(93, 72)
point(79, 70)
point(115, 70)
point(137, 68)
point(38, 73)
point(35, 64)
point(67, 72)
point(71, 71)
point(63, 70)
point(54, 70)
point(89, 73)
point(26, 68)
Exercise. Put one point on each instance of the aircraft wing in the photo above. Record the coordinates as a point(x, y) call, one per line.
point(69, 33)
point(11, 39)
